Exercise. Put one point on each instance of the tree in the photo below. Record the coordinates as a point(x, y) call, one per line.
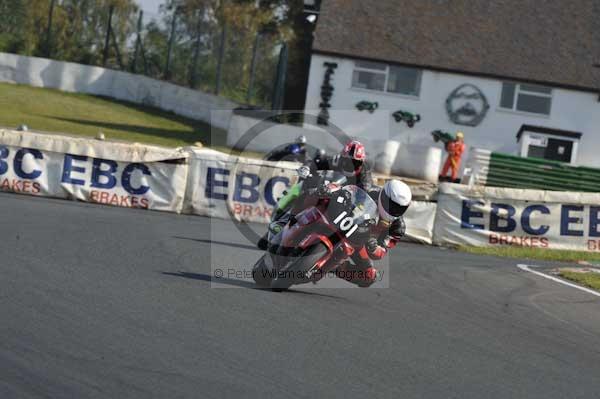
point(12, 18)
point(197, 41)
point(79, 28)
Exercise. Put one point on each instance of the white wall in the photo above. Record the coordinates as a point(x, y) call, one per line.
point(67, 76)
point(571, 110)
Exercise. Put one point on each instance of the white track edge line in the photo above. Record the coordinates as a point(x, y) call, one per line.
point(589, 291)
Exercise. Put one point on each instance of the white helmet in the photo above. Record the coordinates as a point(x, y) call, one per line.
point(301, 139)
point(394, 199)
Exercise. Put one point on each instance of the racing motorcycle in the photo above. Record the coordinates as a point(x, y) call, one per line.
point(317, 240)
point(296, 194)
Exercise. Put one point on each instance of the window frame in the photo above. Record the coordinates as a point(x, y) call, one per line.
point(369, 70)
point(519, 90)
point(386, 73)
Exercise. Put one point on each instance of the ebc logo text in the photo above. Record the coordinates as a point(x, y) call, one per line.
point(504, 220)
point(24, 181)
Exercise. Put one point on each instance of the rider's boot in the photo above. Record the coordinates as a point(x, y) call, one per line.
point(263, 242)
point(362, 277)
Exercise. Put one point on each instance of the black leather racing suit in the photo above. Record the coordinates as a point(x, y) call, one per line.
point(364, 179)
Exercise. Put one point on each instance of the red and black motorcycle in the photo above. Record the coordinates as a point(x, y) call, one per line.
point(317, 240)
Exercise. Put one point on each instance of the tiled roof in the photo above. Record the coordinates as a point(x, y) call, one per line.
point(546, 41)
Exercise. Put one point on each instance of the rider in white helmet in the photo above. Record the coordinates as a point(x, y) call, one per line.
point(393, 200)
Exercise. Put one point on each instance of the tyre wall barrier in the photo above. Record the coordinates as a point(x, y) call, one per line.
point(411, 160)
point(390, 157)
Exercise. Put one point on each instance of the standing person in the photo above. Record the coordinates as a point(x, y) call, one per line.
point(455, 149)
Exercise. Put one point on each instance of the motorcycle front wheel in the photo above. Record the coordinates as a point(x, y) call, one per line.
point(296, 272)
point(261, 274)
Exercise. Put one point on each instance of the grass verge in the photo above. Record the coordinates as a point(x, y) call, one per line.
point(81, 114)
point(590, 279)
point(534, 253)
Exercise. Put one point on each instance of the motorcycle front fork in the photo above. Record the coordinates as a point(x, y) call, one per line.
point(338, 257)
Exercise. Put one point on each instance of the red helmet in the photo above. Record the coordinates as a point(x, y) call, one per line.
point(352, 158)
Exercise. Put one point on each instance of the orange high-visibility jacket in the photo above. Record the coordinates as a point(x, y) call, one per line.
point(455, 150)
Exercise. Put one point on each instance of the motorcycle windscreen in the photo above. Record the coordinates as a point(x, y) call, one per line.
point(351, 208)
point(363, 207)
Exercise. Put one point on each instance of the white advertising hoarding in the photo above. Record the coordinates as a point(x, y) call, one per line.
point(526, 218)
point(242, 189)
point(157, 185)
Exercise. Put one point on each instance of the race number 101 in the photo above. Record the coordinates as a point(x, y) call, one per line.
point(345, 223)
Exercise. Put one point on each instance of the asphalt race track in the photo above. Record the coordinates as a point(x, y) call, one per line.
point(101, 302)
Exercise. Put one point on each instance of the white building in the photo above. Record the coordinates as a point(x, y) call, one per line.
point(494, 70)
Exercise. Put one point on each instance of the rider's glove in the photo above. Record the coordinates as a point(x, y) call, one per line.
point(372, 245)
point(303, 172)
point(397, 229)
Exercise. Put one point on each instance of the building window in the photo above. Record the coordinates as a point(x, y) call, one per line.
point(381, 77)
point(526, 97)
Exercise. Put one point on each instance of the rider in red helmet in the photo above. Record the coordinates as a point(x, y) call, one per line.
point(351, 161)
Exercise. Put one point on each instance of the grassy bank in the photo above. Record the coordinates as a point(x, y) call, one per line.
point(55, 111)
point(534, 253)
point(590, 279)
